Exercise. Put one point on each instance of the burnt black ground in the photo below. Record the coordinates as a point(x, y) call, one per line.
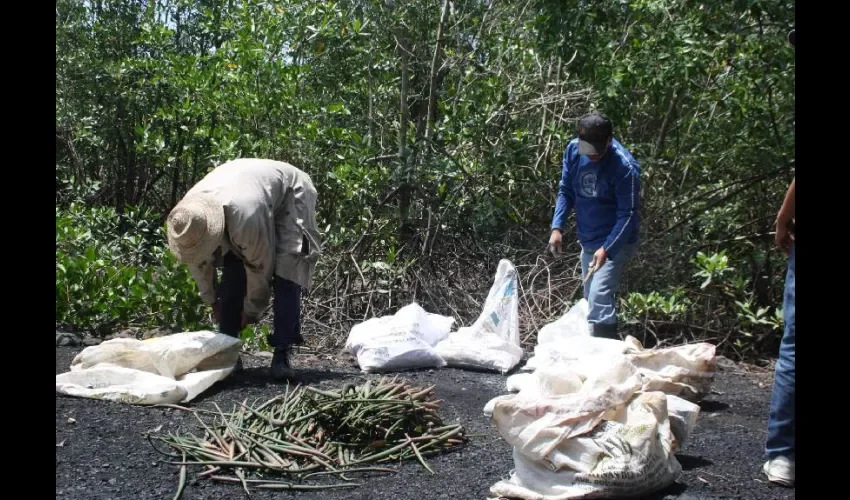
point(104, 454)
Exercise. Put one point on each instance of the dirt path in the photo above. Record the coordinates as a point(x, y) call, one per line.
point(104, 455)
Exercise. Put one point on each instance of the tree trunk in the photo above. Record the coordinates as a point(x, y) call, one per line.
point(404, 117)
point(433, 86)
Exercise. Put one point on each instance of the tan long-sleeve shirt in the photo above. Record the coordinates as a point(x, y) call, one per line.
point(270, 224)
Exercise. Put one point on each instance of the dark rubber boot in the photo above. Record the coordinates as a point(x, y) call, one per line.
point(605, 331)
point(281, 365)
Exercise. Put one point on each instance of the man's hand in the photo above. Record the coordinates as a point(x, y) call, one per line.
point(599, 258)
point(785, 220)
point(247, 321)
point(555, 243)
point(784, 236)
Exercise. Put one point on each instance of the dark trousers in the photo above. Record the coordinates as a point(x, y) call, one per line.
point(286, 304)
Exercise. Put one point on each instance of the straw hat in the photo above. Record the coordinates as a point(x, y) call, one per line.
point(195, 228)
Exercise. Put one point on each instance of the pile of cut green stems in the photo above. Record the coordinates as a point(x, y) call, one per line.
point(294, 439)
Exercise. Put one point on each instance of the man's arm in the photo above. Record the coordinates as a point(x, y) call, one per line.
point(566, 195)
point(786, 212)
point(204, 275)
point(627, 192)
point(785, 218)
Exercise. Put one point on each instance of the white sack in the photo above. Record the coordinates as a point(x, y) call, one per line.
point(171, 369)
point(685, 370)
point(583, 437)
point(403, 341)
point(629, 454)
point(492, 342)
point(683, 418)
point(579, 352)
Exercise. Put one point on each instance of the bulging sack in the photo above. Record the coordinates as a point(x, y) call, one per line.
point(171, 369)
point(629, 454)
point(492, 342)
point(590, 436)
point(686, 370)
point(403, 341)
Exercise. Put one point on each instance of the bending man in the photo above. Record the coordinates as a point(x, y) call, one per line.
point(256, 220)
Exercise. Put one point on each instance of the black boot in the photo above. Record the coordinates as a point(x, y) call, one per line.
point(605, 331)
point(281, 366)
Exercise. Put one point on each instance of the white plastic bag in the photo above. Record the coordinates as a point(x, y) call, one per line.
point(600, 437)
point(430, 327)
point(572, 324)
point(552, 381)
point(171, 369)
point(577, 352)
point(476, 349)
point(403, 341)
point(492, 342)
point(567, 341)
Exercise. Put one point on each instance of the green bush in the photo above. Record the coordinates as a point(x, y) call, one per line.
point(106, 280)
point(719, 305)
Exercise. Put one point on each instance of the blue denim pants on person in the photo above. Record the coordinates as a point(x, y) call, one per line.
point(286, 304)
point(602, 288)
point(782, 423)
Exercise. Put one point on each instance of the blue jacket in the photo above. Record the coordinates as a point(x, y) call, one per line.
point(605, 195)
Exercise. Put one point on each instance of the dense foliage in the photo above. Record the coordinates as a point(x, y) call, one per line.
point(434, 131)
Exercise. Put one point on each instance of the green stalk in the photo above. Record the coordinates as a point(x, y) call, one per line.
point(181, 485)
point(305, 487)
point(347, 471)
point(241, 476)
point(416, 451)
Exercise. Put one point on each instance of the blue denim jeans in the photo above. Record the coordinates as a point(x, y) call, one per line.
point(286, 304)
point(602, 288)
point(782, 423)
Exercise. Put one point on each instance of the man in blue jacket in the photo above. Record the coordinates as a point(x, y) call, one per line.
point(601, 180)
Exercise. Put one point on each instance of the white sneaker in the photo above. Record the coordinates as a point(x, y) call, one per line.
point(780, 470)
